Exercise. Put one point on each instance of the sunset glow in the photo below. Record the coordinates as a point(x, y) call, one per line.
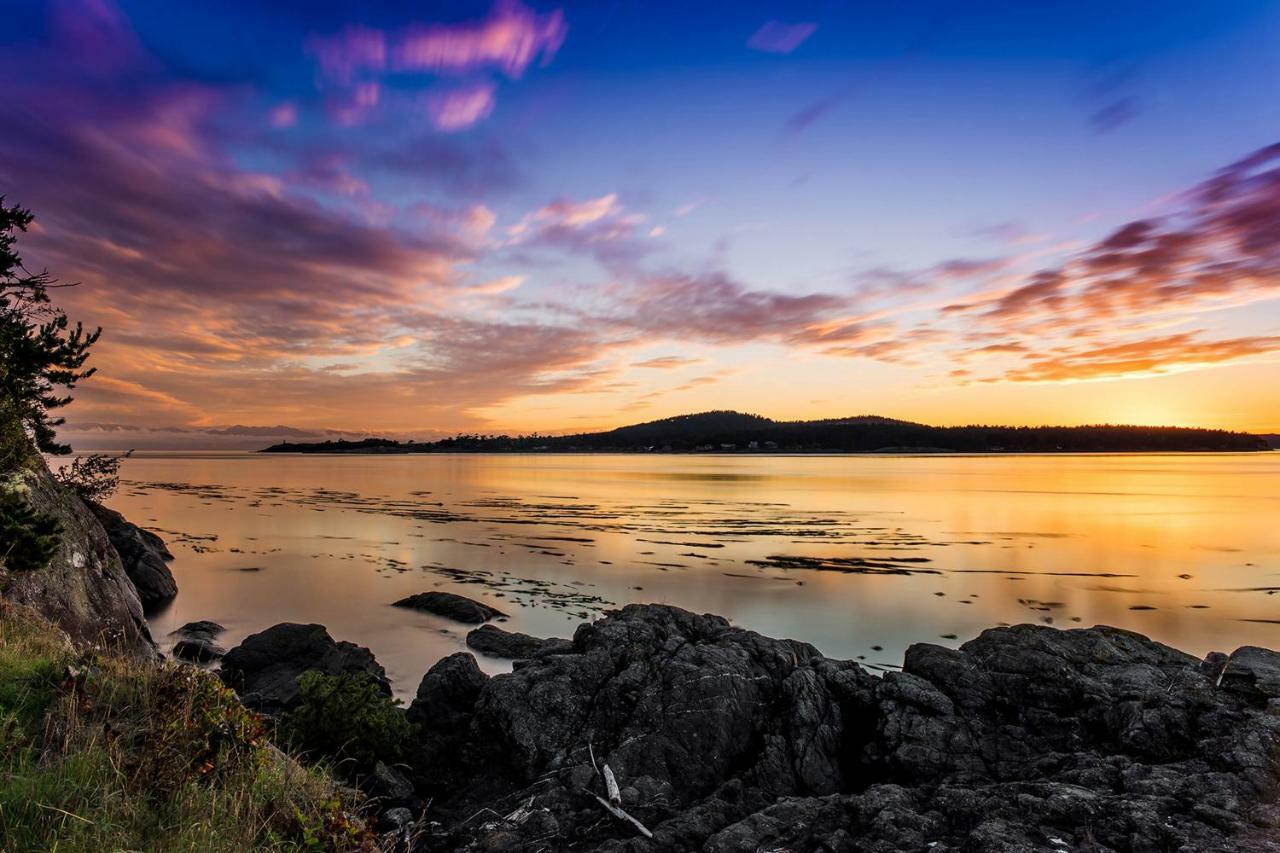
point(415, 220)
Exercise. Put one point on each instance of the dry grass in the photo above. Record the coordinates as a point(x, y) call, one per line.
point(99, 752)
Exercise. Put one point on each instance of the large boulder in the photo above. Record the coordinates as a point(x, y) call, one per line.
point(84, 589)
point(1027, 738)
point(451, 606)
point(659, 692)
point(264, 669)
point(143, 554)
point(493, 641)
point(442, 712)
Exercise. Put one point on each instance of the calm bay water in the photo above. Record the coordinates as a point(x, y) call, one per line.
point(860, 556)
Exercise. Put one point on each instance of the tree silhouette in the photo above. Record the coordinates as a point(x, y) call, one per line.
point(41, 355)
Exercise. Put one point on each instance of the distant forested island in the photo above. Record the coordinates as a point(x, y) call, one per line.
point(733, 432)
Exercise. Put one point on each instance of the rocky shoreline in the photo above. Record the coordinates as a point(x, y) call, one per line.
point(655, 730)
point(720, 739)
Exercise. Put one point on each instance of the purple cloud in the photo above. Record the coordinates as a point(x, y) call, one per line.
point(458, 109)
point(509, 39)
point(353, 50)
point(715, 308)
point(779, 37)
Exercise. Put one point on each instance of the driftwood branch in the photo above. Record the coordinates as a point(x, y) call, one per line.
point(611, 786)
point(617, 812)
point(613, 805)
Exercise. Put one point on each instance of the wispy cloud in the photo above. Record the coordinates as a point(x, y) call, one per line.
point(230, 290)
point(509, 39)
point(1218, 248)
point(458, 109)
point(780, 37)
point(713, 307)
point(355, 60)
point(601, 227)
point(668, 362)
point(1153, 355)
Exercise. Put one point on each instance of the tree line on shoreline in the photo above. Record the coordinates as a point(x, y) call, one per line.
point(723, 431)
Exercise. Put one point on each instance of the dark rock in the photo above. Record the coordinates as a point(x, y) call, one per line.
point(84, 589)
point(442, 711)
point(1213, 664)
point(451, 606)
point(390, 786)
point(143, 555)
point(200, 630)
point(1253, 672)
point(656, 691)
point(397, 820)
point(196, 642)
point(677, 705)
point(198, 651)
point(1024, 739)
point(448, 692)
point(495, 642)
point(264, 669)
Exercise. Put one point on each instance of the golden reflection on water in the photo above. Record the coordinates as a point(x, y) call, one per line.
point(1071, 540)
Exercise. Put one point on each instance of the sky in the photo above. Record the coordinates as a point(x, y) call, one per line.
point(323, 219)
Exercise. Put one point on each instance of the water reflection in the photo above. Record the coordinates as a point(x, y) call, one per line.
point(859, 555)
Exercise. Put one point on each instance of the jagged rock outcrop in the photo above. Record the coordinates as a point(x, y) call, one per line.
point(84, 589)
point(264, 669)
point(144, 556)
point(1025, 739)
point(493, 641)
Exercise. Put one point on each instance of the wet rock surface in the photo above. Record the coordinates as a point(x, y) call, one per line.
point(198, 651)
point(202, 629)
point(451, 606)
point(495, 642)
point(1025, 739)
point(196, 642)
point(142, 553)
point(264, 669)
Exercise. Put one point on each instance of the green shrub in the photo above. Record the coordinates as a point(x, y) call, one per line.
point(94, 476)
point(346, 717)
point(105, 753)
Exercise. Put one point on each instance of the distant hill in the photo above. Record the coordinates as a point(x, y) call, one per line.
point(726, 431)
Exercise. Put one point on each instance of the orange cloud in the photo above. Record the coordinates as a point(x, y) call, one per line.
point(668, 362)
point(1155, 355)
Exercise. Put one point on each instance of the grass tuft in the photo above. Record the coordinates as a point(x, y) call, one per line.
point(99, 752)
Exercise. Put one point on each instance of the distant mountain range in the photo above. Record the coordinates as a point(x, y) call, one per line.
point(733, 432)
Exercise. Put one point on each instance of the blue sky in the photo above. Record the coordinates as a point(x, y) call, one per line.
point(420, 218)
